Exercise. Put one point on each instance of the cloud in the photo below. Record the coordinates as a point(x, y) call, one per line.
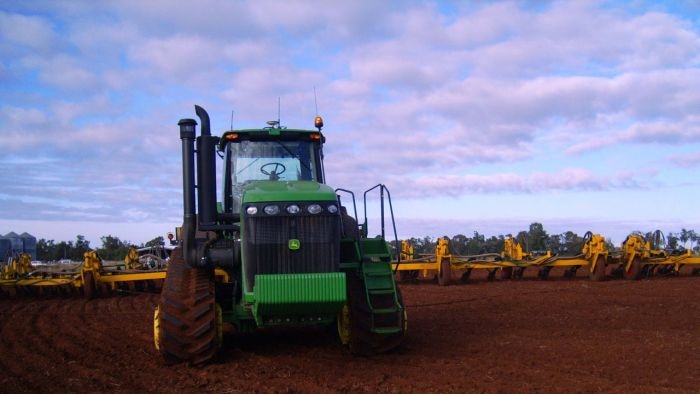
point(461, 98)
point(537, 182)
point(23, 33)
point(670, 132)
point(689, 160)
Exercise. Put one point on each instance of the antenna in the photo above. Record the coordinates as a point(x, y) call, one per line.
point(231, 119)
point(279, 110)
point(315, 101)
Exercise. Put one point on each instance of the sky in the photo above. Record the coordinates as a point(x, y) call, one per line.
point(477, 116)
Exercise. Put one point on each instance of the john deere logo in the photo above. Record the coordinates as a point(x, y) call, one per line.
point(294, 244)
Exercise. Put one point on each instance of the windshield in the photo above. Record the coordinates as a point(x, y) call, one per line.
point(272, 161)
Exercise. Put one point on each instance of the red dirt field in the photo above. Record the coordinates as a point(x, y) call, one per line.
point(502, 336)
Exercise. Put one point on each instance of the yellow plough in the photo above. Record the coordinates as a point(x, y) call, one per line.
point(444, 265)
point(91, 276)
point(637, 258)
point(642, 258)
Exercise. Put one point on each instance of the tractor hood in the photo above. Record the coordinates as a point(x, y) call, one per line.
point(267, 191)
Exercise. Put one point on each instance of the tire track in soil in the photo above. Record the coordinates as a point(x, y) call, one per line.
point(104, 322)
point(14, 338)
point(88, 348)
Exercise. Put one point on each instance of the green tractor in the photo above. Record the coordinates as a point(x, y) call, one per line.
point(278, 250)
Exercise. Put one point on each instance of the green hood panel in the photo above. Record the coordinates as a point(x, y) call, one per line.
point(311, 295)
point(269, 191)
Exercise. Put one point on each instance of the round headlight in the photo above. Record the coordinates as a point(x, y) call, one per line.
point(314, 209)
point(332, 209)
point(271, 209)
point(293, 209)
point(251, 210)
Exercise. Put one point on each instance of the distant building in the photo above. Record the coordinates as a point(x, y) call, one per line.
point(5, 249)
point(12, 243)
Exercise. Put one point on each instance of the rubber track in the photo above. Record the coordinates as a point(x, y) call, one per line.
point(188, 313)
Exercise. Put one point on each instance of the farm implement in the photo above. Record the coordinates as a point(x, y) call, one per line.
point(643, 257)
point(444, 265)
point(638, 258)
point(89, 277)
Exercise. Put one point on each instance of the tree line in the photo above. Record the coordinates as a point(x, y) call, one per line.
point(536, 239)
point(112, 248)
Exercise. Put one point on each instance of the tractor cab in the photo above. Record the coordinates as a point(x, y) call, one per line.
point(271, 154)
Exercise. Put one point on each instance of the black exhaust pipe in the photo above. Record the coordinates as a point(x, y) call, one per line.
point(189, 224)
point(206, 173)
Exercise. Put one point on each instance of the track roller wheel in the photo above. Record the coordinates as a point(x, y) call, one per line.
point(187, 326)
point(635, 270)
point(445, 274)
point(89, 288)
point(597, 274)
point(506, 273)
point(355, 322)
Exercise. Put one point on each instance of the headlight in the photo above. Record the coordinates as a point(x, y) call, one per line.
point(332, 209)
point(271, 209)
point(293, 209)
point(314, 209)
point(251, 210)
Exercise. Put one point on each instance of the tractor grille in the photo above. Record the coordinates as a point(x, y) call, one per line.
point(267, 248)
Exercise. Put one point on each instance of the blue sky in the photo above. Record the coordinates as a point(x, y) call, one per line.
point(478, 116)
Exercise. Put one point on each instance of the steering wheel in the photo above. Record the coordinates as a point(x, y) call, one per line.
point(273, 172)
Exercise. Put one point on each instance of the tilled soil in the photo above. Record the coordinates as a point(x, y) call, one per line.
point(502, 336)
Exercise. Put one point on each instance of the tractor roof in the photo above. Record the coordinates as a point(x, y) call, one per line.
point(270, 134)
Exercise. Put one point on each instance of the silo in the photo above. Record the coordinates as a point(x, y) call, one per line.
point(5, 249)
point(16, 243)
point(29, 244)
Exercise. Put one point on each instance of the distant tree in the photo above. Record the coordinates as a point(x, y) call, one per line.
point(62, 251)
point(524, 241)
point(475, 244)
point(684, 237)
point(112, 248)
point(694, 238)
point(458, 244)
point(157, 241)
point(81, 246)
point(571, 243)
point(554, 244)
point(672, 240)
point(427, 246)
point(45, 249)
point(422, 245)
point(537, 237)
point(494, 244)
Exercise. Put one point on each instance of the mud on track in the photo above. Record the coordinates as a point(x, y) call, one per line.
point(528, 335)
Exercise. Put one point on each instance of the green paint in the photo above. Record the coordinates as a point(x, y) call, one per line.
point(271, 191)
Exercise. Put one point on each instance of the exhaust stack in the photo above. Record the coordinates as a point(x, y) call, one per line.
point(206, 173)
point(189, 224)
